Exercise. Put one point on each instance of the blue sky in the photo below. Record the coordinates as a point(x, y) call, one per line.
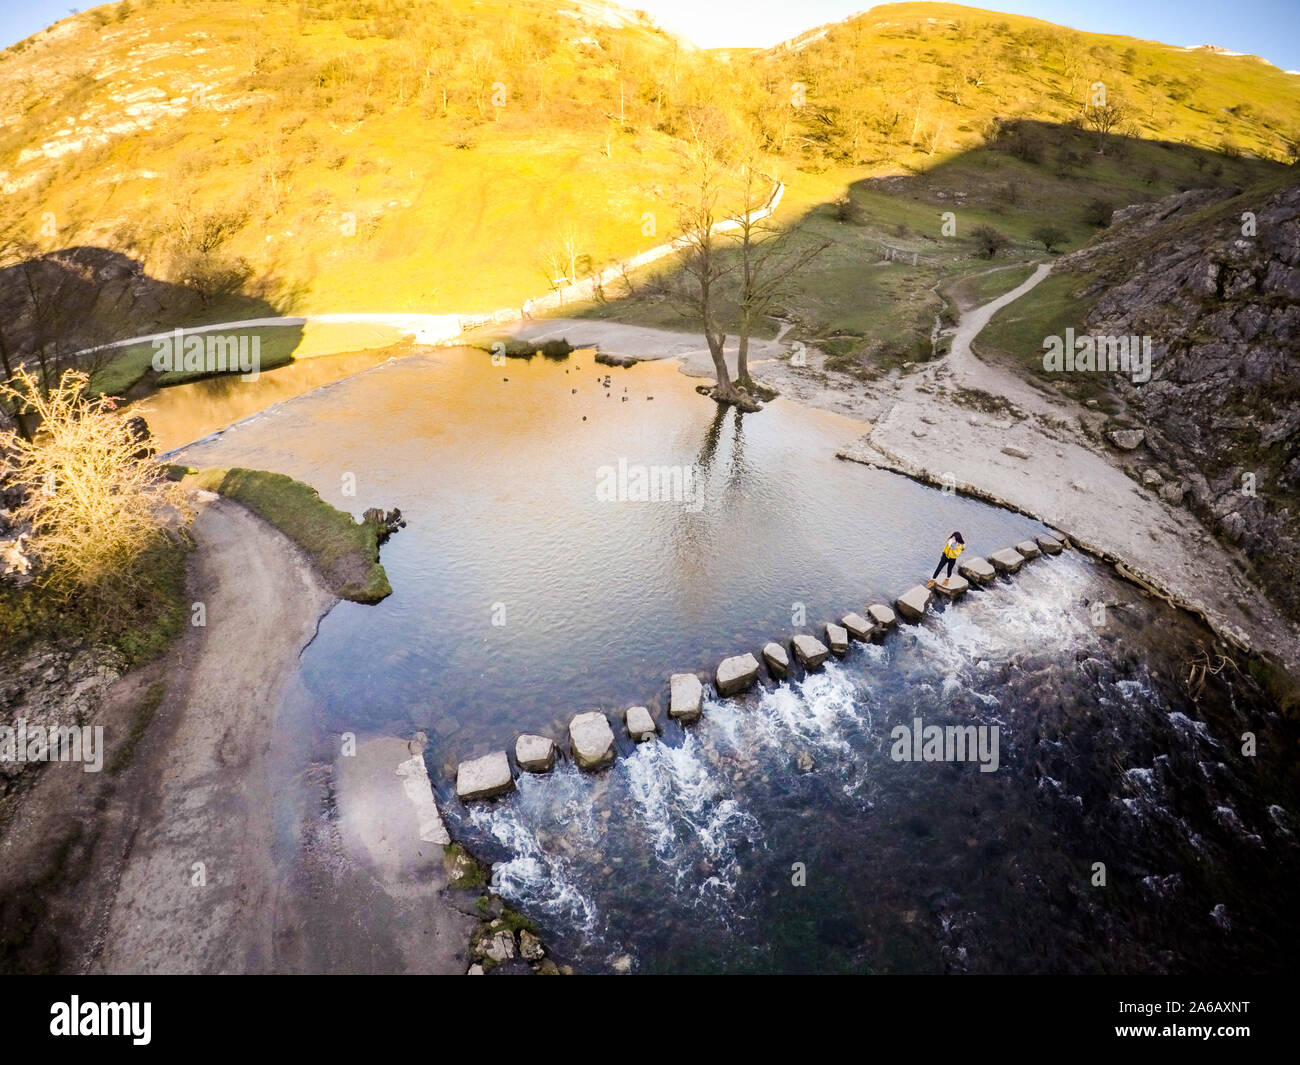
point(1268, 28)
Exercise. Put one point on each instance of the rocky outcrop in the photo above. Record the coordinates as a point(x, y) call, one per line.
point(1213, 279)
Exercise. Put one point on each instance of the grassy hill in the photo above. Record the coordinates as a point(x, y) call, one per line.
point(451, 155)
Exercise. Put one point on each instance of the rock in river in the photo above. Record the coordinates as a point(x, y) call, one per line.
point(778, 662)
point(591, 740)
point(736, 674)
point(535, 753)
point(1007, 560)
point(640, 725)
point(810, 651)
point(687, 694)
point(858, 627)
point(481, 778)
point(838, 637)
point(881, 615)
point(977, 570)
point(912, 603)
point(1028, 548)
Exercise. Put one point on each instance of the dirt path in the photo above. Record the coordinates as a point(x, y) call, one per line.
point(238, 839)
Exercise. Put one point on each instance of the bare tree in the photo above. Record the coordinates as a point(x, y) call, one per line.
point(769, 257)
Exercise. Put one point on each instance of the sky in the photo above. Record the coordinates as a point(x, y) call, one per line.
point(1268, 28)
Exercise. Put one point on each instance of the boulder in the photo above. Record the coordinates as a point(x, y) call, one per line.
point(1126, 439)
point(591, 740)
point(640, 725)
point(1028, 548)
point(530, 946)
point(1172, 492)
point(838, 638)
point(858, 627)
point(954, 589)
point(976, 570)
point(810, 651)
point(535, 753)
point(1152, 478)
point(482, 778)
point(912, 603)
point(736, 674)
point(1007, 560)
point(687, 696)
point(881, 615)
point(1049, 545)
point(778, 662)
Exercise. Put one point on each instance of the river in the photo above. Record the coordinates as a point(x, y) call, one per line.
point(779, 833)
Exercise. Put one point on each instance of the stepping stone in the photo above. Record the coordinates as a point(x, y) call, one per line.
point(591, 740)
point(687, 695)
point(1007, 560)
point(810, 651)
point(482, 778)
point(1049, 544)
point(778, 662)
point(1028, 548)
point(912, 603)
point(977, 570)
point(954, 589)
point(1059, 537)
point(640, 725)
point(838, 637)
point(881, 615)
point(535, 753)
point(858, 626)
point(736, 674)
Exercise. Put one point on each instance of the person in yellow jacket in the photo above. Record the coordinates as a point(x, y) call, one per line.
point(951, 551)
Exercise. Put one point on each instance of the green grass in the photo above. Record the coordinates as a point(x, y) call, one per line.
point(1015, 334)
point(139, 623)
point(343, 551)
point(131, 364)
point(978, 289)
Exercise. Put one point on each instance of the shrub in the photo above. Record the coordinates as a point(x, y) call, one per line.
point(1049, 235)
point(988, 241)
point(1098, 212)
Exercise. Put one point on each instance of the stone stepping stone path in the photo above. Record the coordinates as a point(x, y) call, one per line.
point(591, 740)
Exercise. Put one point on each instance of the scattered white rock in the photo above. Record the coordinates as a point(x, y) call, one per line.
point(1126, 439)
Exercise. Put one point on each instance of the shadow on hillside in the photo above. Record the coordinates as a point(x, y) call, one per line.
point(869, 299)
point(63, 302)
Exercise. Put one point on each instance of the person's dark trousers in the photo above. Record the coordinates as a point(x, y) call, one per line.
point(942, 560)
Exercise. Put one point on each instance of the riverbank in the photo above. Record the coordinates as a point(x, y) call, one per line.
point(960, 422)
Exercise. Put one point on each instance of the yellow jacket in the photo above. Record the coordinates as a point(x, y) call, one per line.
point(952, 549)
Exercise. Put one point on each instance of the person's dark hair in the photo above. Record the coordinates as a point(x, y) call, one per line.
point(957, 536)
